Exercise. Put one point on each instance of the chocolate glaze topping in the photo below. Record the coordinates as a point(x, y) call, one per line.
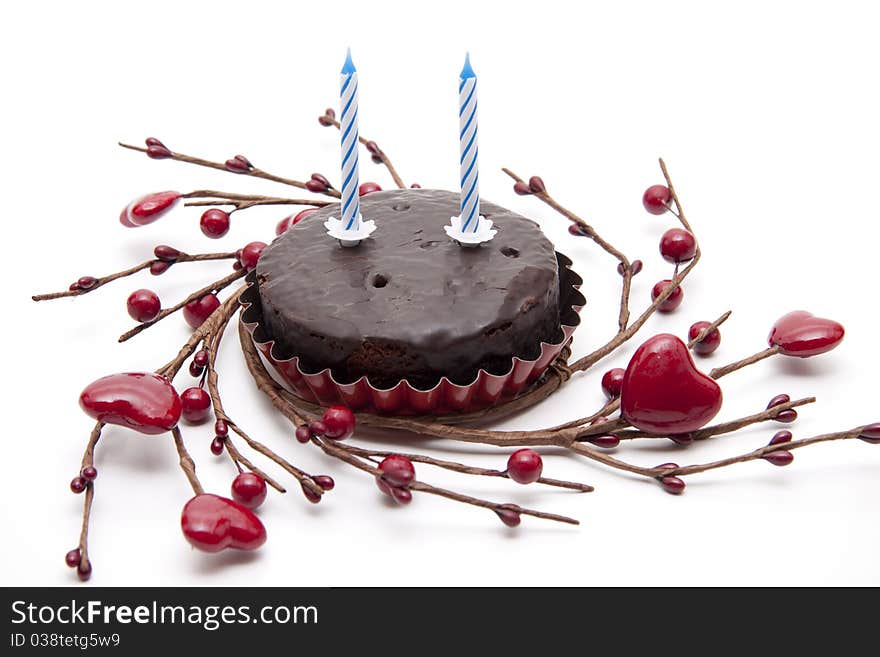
point(408, 302)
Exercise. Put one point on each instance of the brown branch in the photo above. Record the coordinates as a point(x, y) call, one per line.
point(84, 569)
point(725, 427)
point(460, 467)
point(373, 149)
point(212, 381)
point(226, 309)
point(214, 287)
point(588, 231)
point(186, 462)
point(718, 372)
point(762, 451)
point(337, 451)
point(220, 166)
point(183, 257)
point(244, 201)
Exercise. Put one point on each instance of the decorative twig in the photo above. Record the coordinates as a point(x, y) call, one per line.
point(725, 427)
point(540, 191)
point(214, 287)
point(212, 346)
point(460, 467)
point(337, 451)
point(186, 462)
point(212, 379)
point(378, 155)
point(95, 283)
point(718, 372)
point(84, 566)
point(763, 451)
point(244, 170)
point(244, 201)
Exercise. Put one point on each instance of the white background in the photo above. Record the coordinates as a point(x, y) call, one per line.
point(766, 113)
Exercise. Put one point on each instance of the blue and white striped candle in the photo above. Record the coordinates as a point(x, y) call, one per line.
point(348, 127)
point(470, 174)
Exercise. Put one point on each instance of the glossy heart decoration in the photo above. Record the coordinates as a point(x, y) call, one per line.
point(147, 209)
point(663, 392)
point(212, 523)
point(802, 334)
point(142, 401)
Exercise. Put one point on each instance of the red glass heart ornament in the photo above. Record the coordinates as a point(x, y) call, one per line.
point(142, 401)
point(147, 209)
point(663, 391)
point(802, 334)
point(212, 523)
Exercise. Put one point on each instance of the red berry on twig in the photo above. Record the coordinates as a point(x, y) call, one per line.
point(196, 405)
point(152, 141)
point(159, 267)
point(89, 473)
point(368, 188)
point(321, 179)
point(303, 434)
point(780, 437)
point(338, 422)
point(678, 245)
point(317, 428)
point(525, 466)
point(656, 199)
point(249, 489)
point(673, 485)
point(200, 358)
point(788, 415)
point(577, 230)
point(86, 282)
point(84, 571)
point(214, 223)
point(198, 310)
point(612, 382)
point(316, 186)
point(536, 185)
point(372, 147)
point(217, 446)
point(509, 515)
point(710, 341)
point(871, 434)
point(77, 485)
point(165, 252)
point(73, 558)
point(671, 302)
point(221, 429)
point(158, 152)
point(143, 305)
point(324, 481)
point(778, 400)
point(522, 188)
point(250, 254)
point(311, 495)
point(397, 470)
point(780, 457)
point(635, 265)
point(238, 164)
point(608, 442)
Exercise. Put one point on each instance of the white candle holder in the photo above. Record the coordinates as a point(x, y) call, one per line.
point(470, 238)
point(349, 238)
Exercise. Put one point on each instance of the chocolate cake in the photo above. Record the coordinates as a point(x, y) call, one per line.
point(408, 302)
